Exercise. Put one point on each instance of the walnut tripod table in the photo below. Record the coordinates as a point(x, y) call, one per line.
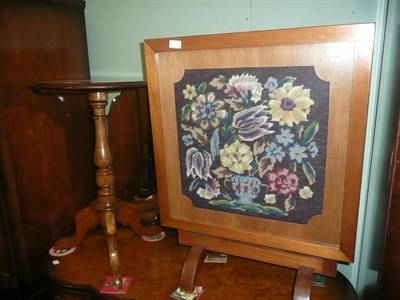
point(107, 208)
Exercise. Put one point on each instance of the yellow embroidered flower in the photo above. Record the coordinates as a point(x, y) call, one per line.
point(270, 198)
point(306, 193)
point(290, 104)
point(236, 157)
point(190, 92)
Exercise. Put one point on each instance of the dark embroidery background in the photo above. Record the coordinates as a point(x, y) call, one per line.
point(306, 76)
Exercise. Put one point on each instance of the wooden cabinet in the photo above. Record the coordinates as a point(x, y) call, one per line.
point(389, 275)
point(46, 142)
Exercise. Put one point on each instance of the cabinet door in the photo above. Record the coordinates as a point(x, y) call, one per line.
point(46, 143)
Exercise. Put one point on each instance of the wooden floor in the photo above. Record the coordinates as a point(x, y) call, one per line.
point(156, 266)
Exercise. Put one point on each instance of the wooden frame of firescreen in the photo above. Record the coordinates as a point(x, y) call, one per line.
point(340, 55)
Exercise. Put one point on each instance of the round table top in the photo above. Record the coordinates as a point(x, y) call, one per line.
point(83, 86)
point(155, 269)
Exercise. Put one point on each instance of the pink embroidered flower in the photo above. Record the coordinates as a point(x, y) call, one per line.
point(244, 86)
point(210, 191)
point(282, 181)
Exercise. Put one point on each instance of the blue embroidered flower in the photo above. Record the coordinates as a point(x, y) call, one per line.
point(271, 83)
point(187, 139)
point(313, 149)
point(286, 137)
point(297, 153)
point(274, 153)
point(207, 111)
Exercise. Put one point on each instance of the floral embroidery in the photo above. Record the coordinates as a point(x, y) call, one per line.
point(236, 157)
point(190, 92)
point(313, 149)
point(270, 198)
point(251, 123)
point(187, 139)
point(251, 140)
point(246, 188)
point(286, 137)
point(245, 87)
point(198, 163)
point(290, 104)
point(271, 84)
point(206, 111)
point(274, 153)
point(306, 192)
point(297, 153)
point(282, 181)
point(210, 191)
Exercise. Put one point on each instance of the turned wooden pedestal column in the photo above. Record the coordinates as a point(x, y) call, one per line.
point(107, 208)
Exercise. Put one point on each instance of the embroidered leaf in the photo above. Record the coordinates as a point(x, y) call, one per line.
point(214, 145)
point(258, 147)
point(202, 87)
point(254, 166)
point(197, 133)
point(300, 131)
point(248, 208)
point(310, 132)
point(222, 172)
point(223, 203)
point(264, 166)
point(219, 82)
point(232, 139)
point(287, 79)
point(309, 172)
point(227, 132)
point(226, 195)
point(293, 166)
point(186, 112)
point(235, 104)
point(270, 210)
point(290, 203)
point(225, 122)
point(194, 184)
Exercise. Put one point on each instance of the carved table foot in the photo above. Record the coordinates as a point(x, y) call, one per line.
point(87, 218)
point(129, 214)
